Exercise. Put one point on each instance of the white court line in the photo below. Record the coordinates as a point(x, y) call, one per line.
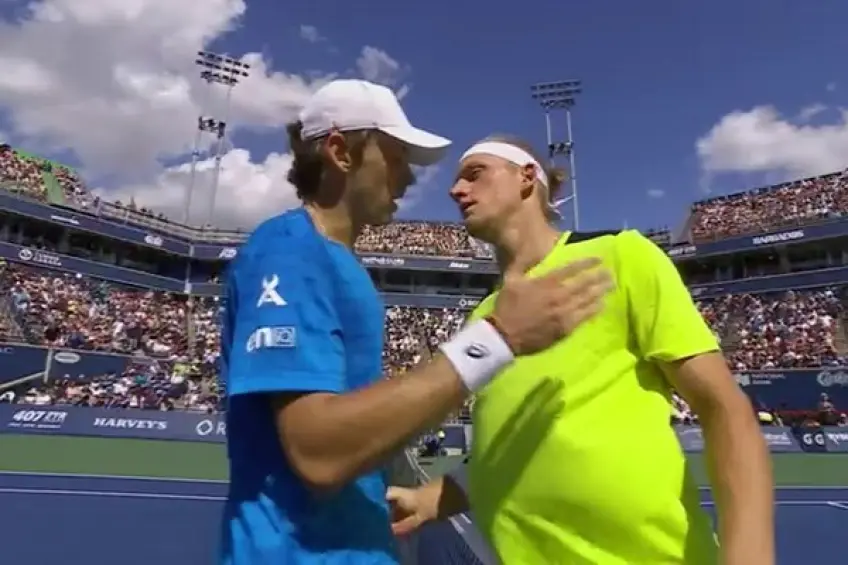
point(222, 482)
point(836, 503)
point(797, 487)
point(843, 504)
point(109, 494)
point(117, 477)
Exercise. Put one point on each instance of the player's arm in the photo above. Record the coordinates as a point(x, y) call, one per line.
point(331, 438)
point(331, 435)
point(671, 332)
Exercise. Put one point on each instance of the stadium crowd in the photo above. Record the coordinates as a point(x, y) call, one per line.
point(28, 175)
point(772, 331)
point(791, 204)
point(146, 386)
point(786, 205)
point(799, 329)
point(766, 331)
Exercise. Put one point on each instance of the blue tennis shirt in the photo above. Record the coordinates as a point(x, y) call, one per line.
point(302, 315)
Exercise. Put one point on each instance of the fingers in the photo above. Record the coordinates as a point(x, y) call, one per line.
point(581, 296)
point(403, 521)
point(406, 526)
point(594, 284)
point(573, 315)
point(394, 494)
point(535, 312)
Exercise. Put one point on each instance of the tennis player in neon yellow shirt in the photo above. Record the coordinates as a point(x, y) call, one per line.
point(574, 460)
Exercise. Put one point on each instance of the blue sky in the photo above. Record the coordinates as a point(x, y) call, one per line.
point(657, 77)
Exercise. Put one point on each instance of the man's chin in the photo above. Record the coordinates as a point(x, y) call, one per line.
point(474, 228)
point(381, 218)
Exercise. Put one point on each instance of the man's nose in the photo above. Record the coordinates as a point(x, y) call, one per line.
point(459, 190)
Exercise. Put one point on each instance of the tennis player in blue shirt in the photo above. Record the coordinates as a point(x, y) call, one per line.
point(310, 419)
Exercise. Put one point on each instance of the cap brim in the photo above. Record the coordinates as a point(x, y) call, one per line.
point(425, 148)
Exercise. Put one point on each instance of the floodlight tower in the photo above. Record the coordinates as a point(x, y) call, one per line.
point(228, 72)
point(553, 96)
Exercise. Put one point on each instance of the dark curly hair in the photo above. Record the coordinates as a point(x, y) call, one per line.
point(307, 167)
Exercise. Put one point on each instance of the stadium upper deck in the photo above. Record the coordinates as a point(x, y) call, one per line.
point(76, 264)
point(743, 224)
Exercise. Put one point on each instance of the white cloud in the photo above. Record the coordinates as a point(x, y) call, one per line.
point(378, 66)
point(424, 177)
point(762, 141)
point(655, 193)
point(248, 192)
point(830, 87)
point(809, 112)
point(311, 34)
point(124, 107)
point(403, 91)
point(115, 84)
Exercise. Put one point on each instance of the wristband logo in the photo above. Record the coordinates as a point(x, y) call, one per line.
point(477, 351)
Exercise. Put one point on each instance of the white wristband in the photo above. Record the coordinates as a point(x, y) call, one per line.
point(477, 353)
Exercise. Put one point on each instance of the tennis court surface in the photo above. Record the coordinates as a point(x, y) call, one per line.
point(56, 516)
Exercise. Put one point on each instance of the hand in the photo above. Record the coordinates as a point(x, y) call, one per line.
point(410, 509)
point(536, 313)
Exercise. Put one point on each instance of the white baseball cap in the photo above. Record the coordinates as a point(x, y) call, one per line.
point(353, 105)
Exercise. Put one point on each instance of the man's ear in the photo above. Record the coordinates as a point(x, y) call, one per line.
point(528, 180)
point(336, 151)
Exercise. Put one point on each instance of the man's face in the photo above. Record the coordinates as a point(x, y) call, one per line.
point(381, 179)
point(487, 190)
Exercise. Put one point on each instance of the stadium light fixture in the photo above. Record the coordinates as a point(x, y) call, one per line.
point(559, 96)
point(215, 69)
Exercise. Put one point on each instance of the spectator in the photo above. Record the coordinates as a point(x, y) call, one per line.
point(787, 205)
point(421, 238)
point(21, 174)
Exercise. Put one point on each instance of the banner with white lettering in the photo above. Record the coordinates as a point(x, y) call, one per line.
point(836, 439)
point(779, 439)
point(138, 424)
point(812, 439)
point(112, 422)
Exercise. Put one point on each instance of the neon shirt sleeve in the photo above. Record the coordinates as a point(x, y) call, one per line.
point(286, 334)
point(664, 319)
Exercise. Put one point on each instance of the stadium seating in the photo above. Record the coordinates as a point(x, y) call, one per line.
point(758, 332)
point(21, 174)
point(781, 330)
point(785, 330)
point(146, 386)
point(169, 343)
point(795, 203)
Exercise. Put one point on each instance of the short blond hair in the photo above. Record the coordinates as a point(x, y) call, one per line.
point(556, 175)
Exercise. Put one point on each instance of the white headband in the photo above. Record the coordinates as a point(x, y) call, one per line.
point(516, 156)
point(508, 152)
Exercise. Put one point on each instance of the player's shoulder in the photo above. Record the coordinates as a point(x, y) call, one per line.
point(288, 241)
point(611, 245)
point(616, 247)
point(290, 233)
point(601, 238)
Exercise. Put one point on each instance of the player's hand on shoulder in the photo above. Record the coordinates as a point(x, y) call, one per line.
point(535, 313)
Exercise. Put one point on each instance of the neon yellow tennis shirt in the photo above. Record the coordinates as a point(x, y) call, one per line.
point(574, 461)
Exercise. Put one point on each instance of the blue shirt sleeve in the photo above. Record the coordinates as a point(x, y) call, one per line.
point(284, 333)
